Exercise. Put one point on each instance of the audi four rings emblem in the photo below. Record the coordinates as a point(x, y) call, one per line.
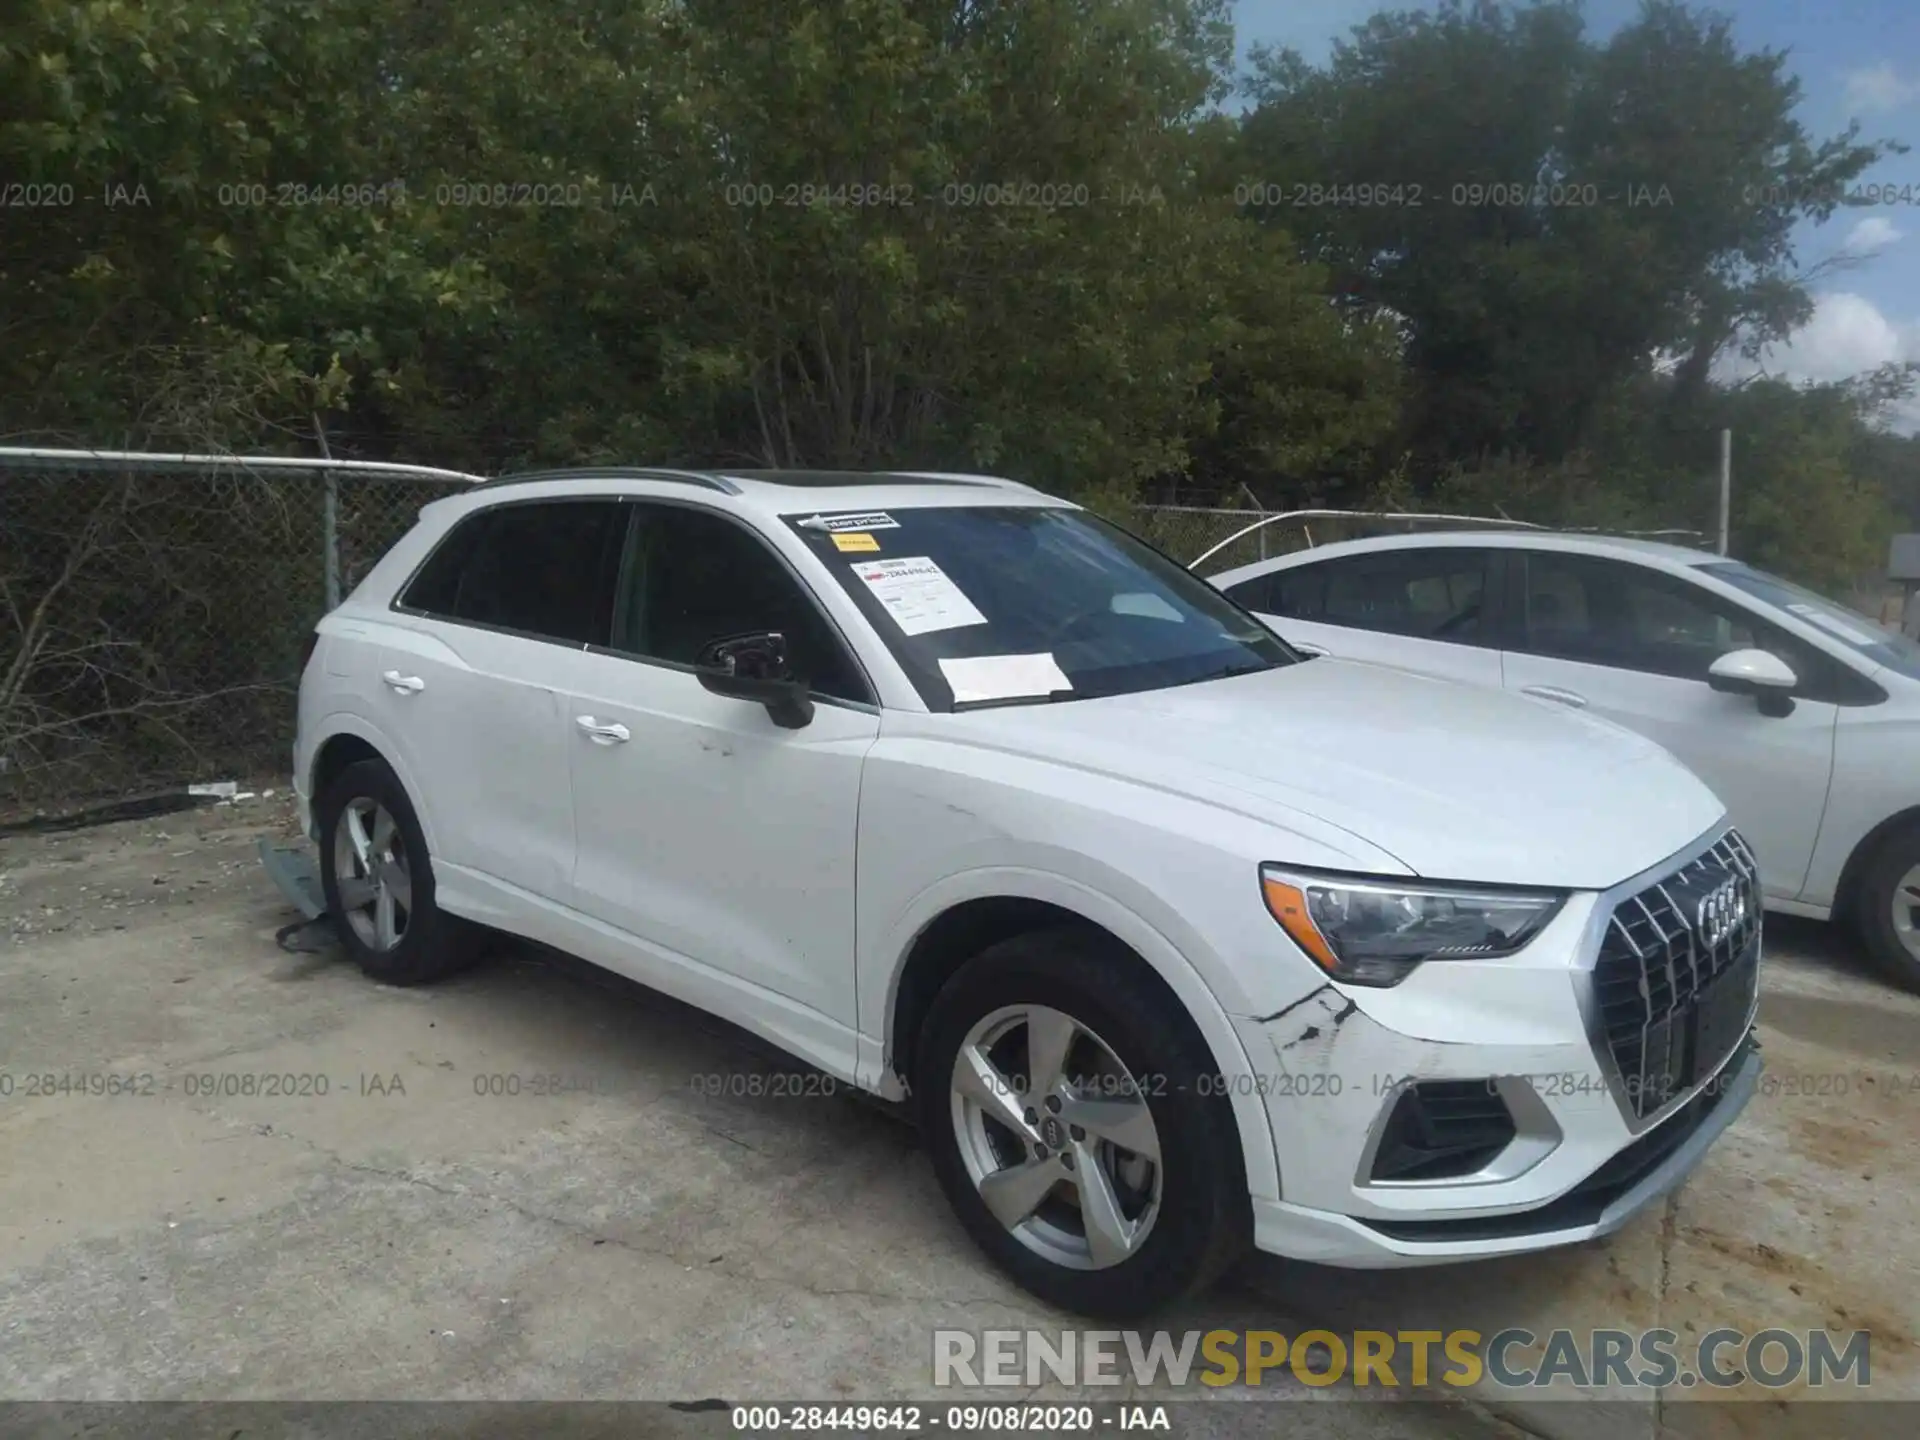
point(1719, 913)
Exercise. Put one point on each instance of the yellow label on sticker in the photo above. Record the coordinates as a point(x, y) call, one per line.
point(854, 540)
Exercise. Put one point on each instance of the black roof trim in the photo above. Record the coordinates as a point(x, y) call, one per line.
point(615, 472)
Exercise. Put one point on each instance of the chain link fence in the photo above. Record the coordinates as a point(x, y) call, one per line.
point(154, 609)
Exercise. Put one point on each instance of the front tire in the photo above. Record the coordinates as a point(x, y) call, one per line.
point(1069, 1107)
point(378, 881)
point(1888, 906)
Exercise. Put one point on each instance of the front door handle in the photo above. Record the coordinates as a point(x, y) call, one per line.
point(1555, 694)
point(404, 684)
point(613, 734)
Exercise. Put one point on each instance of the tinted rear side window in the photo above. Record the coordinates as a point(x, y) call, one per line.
point(435, 588)
point(1297, 594)
point(1435, 594)
point(1252, 594)
point(543, 568)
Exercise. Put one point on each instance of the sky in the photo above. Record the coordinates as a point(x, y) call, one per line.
point(1856, 60)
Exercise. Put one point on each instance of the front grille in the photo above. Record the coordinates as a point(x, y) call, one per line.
point(1676, 976)
point(1442, 1129)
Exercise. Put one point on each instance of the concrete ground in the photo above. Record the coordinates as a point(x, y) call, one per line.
point(393, 1225)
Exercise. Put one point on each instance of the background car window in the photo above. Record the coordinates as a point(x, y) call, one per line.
point(694, 577)
point(1432, 594)
point(1607, 612)
point(1255, 593)
point(1860, 634)
point(1298, 593)
point(542, 568)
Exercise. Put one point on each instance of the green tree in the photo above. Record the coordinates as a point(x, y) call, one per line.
point(1551, 214)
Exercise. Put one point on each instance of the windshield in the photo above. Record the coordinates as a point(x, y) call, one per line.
point(1024, 604)
point(1858, 633)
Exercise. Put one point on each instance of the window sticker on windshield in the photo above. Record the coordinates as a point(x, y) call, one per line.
point(1004, 677)
point(918, 595)
point(1832, 626)
point(855, 540)
point(867, 520)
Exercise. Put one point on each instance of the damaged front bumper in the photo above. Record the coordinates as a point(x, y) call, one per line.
point(1470, 1112)
point(1632, 1180)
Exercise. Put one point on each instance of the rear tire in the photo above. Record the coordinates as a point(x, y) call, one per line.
point(378, 881)
point(1121, 1188)
point(1887, 906)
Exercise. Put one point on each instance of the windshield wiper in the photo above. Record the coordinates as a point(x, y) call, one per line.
point(1052, 697)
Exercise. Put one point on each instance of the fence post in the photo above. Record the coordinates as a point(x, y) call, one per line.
point(329, 521)
point(1726, 485)
point(1261, 511)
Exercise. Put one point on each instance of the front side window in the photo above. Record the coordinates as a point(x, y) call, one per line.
point(1857, 633)
point(540, 568)
point(693, 578)
point(1429, 594)
point(1607, 612)
point(993, 605)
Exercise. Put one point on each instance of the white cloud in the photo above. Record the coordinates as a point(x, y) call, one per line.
point(1876, 232)
point(1847, 336)
point(1879, 89)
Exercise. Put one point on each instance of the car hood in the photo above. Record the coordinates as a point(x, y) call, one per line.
point(1457, 782)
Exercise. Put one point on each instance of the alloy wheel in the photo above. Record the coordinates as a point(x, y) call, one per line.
point(1906, 911)
point(372, 874)
point(1056, 1136)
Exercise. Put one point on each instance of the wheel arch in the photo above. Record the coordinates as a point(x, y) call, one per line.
point(1846, 894)
point(350, 738)
point(959, 930)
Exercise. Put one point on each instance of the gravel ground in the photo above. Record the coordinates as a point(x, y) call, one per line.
point(330, 1192)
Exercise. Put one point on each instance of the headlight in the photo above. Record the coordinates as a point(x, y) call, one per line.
point(1375, 932)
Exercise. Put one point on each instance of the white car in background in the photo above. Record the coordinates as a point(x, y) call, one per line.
point(965, 797)
point(1801, 714)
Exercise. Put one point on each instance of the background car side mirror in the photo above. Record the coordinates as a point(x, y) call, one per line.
point(754, 667)
point(1764, 676)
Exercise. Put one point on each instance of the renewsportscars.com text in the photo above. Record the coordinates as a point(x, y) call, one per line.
point(1513, 1358)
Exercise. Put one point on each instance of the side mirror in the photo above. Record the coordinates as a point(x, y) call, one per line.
point(1757, 673)
point(754, 667)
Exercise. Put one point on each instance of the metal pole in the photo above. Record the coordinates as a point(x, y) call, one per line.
point(329, 521)
point(154, 460)
point(1726, 485)
point(1258, 509)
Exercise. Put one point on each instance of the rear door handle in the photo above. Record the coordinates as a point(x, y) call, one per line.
point(613, 734)
point(1555, 694)
point(404, 684)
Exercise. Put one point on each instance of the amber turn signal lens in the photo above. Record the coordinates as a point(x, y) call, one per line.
point(1289, 906)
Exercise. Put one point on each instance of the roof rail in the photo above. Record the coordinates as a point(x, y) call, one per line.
point(964, 478)
point(616, 472)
